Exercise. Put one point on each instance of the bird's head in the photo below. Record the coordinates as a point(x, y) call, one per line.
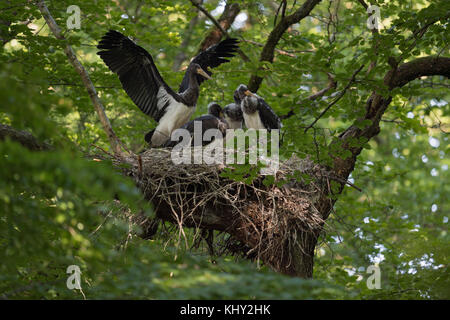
point(236, 98)
point(215, 110)
point(249, 103)
point(198, 70)
point(242, 92)
point(233, 111)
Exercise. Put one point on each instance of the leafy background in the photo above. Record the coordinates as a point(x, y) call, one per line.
point(55, 206)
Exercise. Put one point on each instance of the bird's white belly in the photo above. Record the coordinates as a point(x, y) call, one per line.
point(253, 121)
point(233, 124)
point(176, 116)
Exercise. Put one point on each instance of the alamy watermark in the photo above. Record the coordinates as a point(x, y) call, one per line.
point(231, 149)
point(74, 21)
point(373, 22)
point(74, 280)
point(373, 281)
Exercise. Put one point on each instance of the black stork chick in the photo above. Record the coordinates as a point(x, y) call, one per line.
point(213, 120)
point(143, 83)
point(256, 112)
point(233, 112)
point(233, 115)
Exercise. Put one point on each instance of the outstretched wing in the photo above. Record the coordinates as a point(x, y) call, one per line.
point(137, 73)
point(268, 117)
point(212, 57)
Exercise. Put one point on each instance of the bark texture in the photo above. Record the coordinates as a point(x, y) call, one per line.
point(225, 21)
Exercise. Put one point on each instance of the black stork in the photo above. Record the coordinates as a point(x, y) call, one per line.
point(143, 83)
point(213, 120)
point(233, 115)
point(256, 112)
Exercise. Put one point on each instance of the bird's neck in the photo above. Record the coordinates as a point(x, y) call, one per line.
point(190, 95)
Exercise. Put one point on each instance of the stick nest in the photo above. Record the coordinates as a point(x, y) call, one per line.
point(266, 222)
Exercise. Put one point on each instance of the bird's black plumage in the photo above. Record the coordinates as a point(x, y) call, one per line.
point(233, 115)
point(256, 111)
point(143, 83)
point(212, 57)
point(137, 72)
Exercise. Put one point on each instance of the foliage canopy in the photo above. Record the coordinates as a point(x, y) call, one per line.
point(55, 206)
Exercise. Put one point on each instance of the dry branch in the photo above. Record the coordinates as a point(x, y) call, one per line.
point(113, 140)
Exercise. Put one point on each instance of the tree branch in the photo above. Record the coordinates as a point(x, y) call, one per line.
point(280, 51)
point(210, 17)
point(341, 94)
point(187, 36)
point(363, 3)
point(332, 84)
point(113, 140)
point(377, 105)
point(23, 137)
point(222, 25)
point(426, 66)
point(267, 53)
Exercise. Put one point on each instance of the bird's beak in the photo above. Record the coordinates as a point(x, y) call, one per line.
point(202, 72)
point(221, 114)
point(249, 93)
